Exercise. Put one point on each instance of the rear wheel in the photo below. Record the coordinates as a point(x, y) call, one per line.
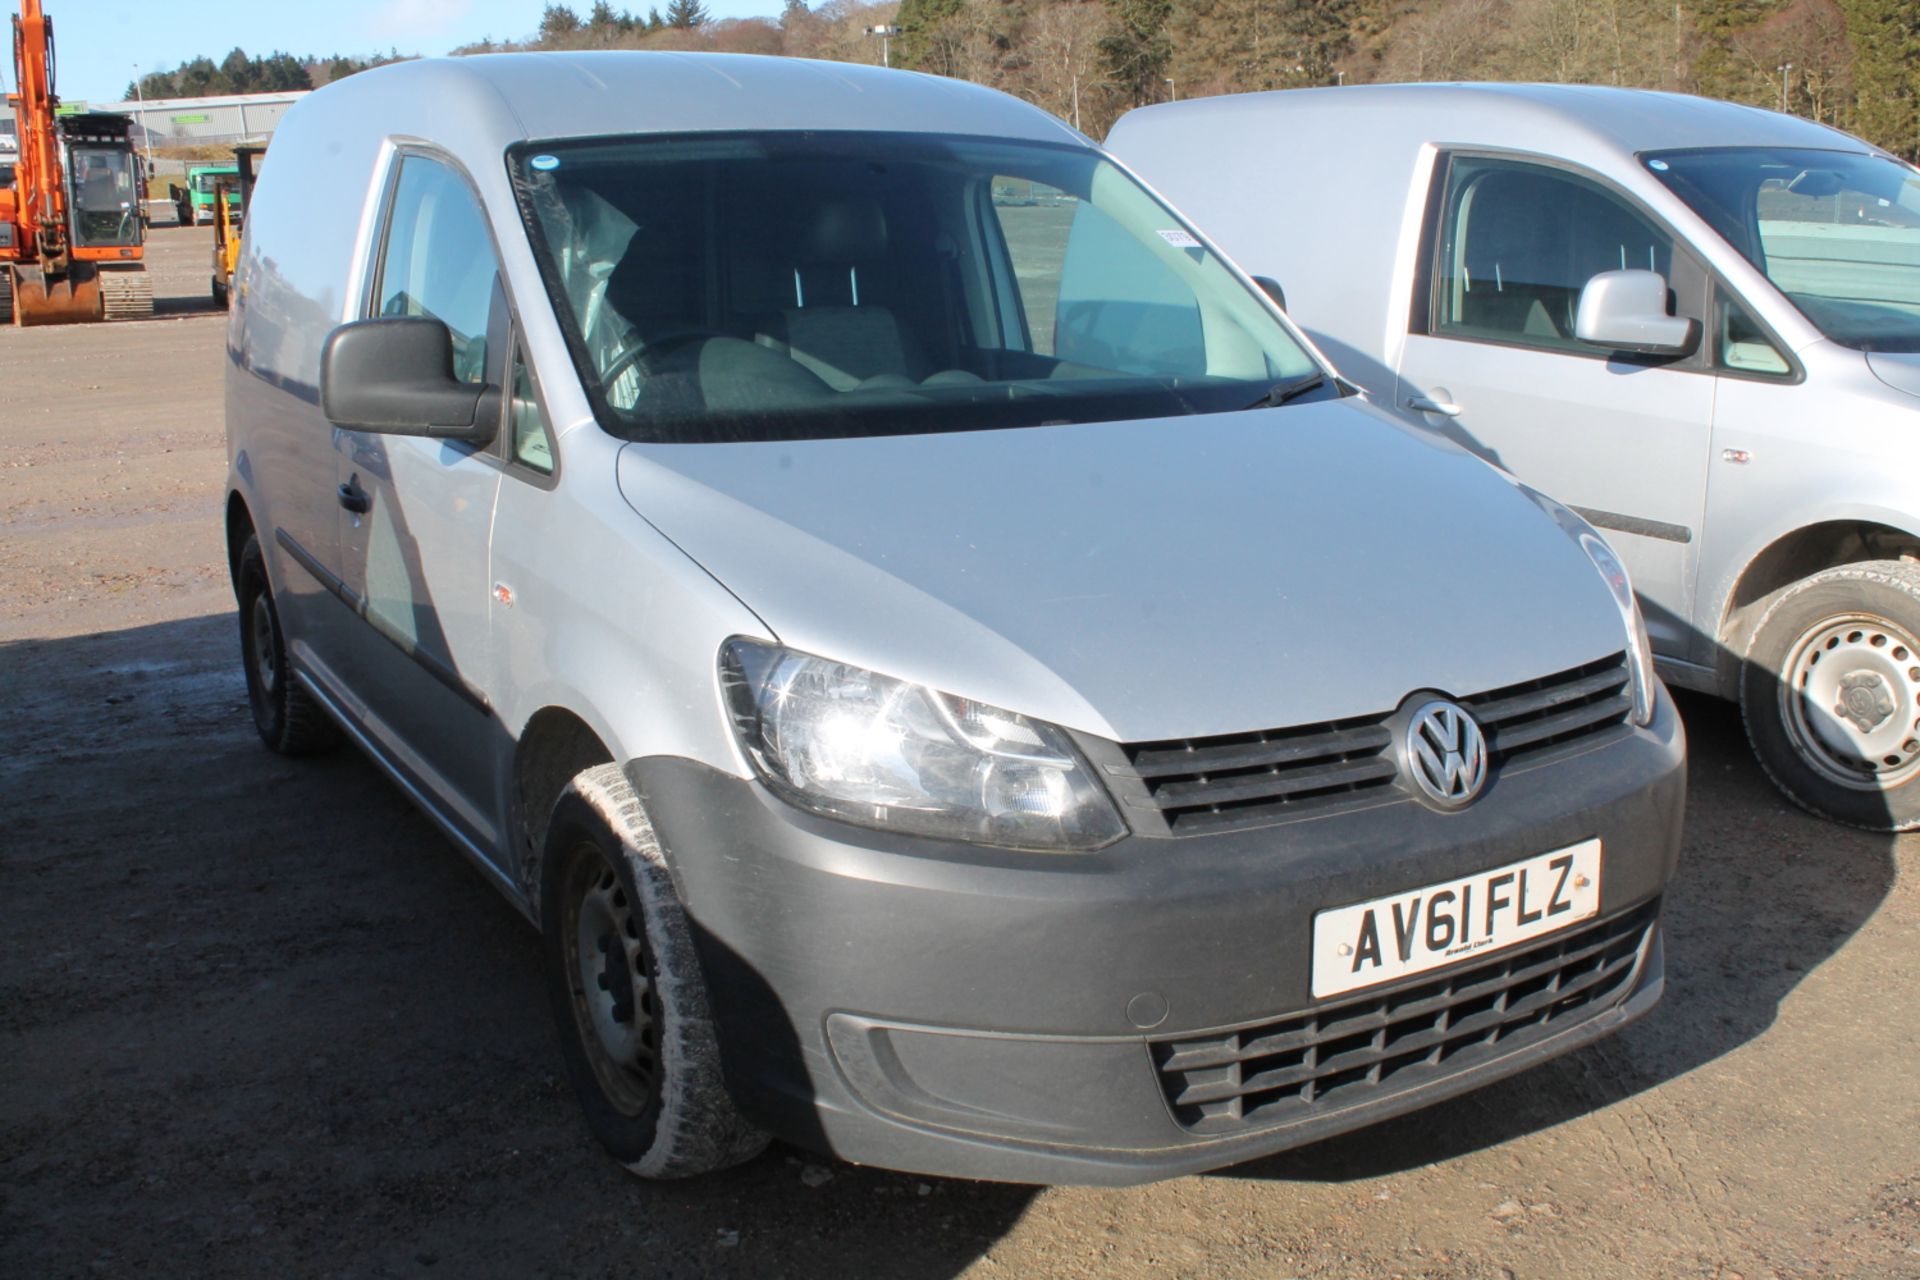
point(219, 294)
point(636, 1029)
point(288, 718)
point(1830, 692)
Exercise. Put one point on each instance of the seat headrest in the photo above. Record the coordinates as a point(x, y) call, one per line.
point(845, 231)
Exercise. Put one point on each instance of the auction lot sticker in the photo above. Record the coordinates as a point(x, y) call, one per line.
point(1408, 933)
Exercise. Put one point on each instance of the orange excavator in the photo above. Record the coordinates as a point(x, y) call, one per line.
point(71, 236)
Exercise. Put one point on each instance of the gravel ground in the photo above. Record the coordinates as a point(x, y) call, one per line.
point(257, 1018)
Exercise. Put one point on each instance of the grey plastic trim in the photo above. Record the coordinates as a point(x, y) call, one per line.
point(1634, 524)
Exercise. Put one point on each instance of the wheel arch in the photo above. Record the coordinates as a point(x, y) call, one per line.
point(555, 744)
point(239, 526)
point(1787, 558)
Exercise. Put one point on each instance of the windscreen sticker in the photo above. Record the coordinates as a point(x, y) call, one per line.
point(1179, 239)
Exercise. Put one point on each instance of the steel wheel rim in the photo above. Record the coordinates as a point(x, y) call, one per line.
point(266, 662)
point(610, 978)
point(1850, 701)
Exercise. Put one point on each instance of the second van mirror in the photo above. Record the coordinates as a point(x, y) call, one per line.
point(395, 376)
point(1627, 311)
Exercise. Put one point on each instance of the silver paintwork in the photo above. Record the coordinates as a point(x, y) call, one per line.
point(1326, 191)
point(1137, 580)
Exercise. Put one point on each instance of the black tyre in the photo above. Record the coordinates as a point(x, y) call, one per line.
point(1830, 691)
point(219, 295)
point(635, 1026)
point(288, 718)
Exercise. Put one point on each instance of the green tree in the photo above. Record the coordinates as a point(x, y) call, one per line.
point(1886, 72)
point(556, 23)
point(920, 22)
point(1135, 56)
point(686, 15)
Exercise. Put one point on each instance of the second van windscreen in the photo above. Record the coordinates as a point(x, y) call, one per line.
point(803, 285)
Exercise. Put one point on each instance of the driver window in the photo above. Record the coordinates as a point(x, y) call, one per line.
point(438, 260)
point(1519, 242)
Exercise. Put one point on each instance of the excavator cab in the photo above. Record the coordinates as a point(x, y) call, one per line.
point(103, 189)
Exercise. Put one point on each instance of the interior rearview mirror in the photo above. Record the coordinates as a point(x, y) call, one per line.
point(395, 376)
point(1627, 311)
point(1271, 287)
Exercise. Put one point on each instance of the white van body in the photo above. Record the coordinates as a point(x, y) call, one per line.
point(1733, 468)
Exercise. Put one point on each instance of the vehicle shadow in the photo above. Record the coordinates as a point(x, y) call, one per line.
point(1764, 894)
point(297, 1034)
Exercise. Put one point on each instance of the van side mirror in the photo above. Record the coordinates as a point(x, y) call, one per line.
point(394, 376)
point(1627, 311)
point(1271, 287)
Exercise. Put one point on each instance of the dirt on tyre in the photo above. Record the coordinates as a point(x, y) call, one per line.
point(288, 718)
point(1830, 692)
point(636, 1026)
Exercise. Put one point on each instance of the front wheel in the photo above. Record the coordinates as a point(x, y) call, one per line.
point(636, 1028)
point(288, 718)
point(1830, 692)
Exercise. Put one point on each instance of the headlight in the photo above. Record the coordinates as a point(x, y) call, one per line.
point(1639, 650)
point(885, 753)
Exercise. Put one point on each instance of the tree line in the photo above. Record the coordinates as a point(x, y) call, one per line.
point(1854, 64)
point(240, 72)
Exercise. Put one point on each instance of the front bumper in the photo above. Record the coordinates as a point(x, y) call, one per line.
point(982, 1013)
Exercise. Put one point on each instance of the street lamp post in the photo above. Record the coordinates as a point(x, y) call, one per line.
point(886, 34)
point(1785, 68)
point(146, 134)
point(1173, 90)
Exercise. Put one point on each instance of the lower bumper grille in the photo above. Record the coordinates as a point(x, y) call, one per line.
point(1357, 1050)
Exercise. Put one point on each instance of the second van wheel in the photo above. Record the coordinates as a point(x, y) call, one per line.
point(288, 718)
point(1830, 691)
point(636, 1028)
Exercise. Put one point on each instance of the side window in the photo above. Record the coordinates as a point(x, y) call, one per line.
point(1742, 346)
point(1517, 244)
point(438, 260)
point(526, 424)
point(1034, 221)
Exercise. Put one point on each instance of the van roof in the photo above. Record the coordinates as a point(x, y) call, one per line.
point(1620, 120)
point(560, 95)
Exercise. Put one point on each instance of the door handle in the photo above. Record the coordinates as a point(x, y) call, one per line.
point(1426, 404)
point(354, 498)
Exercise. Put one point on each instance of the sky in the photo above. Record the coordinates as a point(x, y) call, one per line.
point(100, 42)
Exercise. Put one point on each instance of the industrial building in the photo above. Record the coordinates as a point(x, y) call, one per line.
point(166, 122)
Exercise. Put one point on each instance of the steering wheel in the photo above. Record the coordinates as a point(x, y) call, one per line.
point(627, 355)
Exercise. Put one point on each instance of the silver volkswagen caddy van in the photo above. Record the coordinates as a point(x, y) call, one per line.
point(1696, 322)
point(957, 680)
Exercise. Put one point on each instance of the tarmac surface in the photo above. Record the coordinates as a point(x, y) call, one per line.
point(258, 1018)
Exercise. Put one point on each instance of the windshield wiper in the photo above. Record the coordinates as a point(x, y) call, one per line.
point(1292, 389)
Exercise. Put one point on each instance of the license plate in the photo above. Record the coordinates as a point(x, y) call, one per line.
point(1422, 929)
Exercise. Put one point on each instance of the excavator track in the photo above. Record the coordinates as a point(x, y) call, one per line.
point(126, 295)
point(6, 295)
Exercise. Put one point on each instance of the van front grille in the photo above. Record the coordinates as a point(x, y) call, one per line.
point(1354, 1051)
point(1187, 786)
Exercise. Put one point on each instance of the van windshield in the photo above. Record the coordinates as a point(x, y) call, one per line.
point(1838, 232)
point(800, 285)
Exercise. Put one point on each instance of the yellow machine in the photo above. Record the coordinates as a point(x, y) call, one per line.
point(227, 221)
